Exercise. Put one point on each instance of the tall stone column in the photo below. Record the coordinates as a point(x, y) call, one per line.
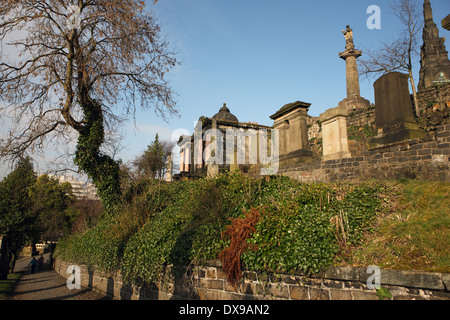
point(354, 99)
point(169, 167)
point(350, 57)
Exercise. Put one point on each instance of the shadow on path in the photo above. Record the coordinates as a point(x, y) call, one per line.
point(48, 285)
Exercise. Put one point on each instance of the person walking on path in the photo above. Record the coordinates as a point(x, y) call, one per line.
point(48, 285)
point(33, 263)
point(41, 262)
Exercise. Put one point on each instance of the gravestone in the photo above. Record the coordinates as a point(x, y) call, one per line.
point(291, 122)
point(394, 117)
point(334, 133)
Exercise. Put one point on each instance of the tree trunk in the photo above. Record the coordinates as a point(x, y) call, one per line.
point(416, 100)
point(102, 169)
point(13, 263)
point(4, 257)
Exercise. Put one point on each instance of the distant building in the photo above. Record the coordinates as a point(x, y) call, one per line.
point(209, 150)
point(80, 189)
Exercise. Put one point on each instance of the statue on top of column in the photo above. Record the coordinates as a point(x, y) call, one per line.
point(348, 34)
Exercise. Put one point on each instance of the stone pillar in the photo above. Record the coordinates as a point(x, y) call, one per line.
point(169, 170)
point(350, 57)
point(212, 169)
point(334, 134)
point(394, 116)
point(291, 121)
point(354, 99)
point(185, 153)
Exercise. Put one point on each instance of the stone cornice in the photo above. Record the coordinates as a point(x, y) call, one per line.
point(350, 53)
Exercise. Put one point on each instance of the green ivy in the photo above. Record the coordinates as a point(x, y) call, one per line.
point(102, 169)
point(384, 293)
point(359, 133)
point(185, 221)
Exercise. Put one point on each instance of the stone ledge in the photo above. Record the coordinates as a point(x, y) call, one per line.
point(336, 283)
point(411, 279)
point(446, 281)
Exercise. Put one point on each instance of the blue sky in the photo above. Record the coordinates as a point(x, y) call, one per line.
point(258, 55)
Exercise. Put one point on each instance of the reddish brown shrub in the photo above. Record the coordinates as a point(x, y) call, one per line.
point(240, 230)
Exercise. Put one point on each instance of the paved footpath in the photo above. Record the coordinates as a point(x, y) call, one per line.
point(47, 285)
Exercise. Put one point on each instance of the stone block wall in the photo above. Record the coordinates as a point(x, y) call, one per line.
point(361, 117)
point(425, 160)
point(209, 282)
point(434, 105)
point(436, 97)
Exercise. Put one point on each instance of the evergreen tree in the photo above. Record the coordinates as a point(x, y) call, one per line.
point(17, 219)
point(54, 204)
point(153, 162)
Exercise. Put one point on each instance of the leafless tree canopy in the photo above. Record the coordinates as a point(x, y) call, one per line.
point(399, 54)
point(390, 57)
point(110, 50)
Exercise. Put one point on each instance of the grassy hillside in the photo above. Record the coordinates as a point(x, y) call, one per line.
point(414, 231)
point(273, 223)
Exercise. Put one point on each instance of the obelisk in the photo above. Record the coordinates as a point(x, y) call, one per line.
point(354, 99)
point(434, 63)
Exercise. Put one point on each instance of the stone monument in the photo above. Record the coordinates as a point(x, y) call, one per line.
point(169, 166)
point(394, 117)
point(354, 99)
point(291, 121)
point(334, 133)
point(434, 63)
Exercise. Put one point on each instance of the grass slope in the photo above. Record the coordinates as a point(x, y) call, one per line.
point(7, 286)
point(413, 233)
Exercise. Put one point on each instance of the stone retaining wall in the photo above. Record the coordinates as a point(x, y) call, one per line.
point(209, 282)
point(434, 96)
point(428, 160)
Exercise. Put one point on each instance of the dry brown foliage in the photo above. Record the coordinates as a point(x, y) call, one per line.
point(239, 231)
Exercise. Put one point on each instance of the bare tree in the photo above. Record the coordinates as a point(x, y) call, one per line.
point(80, 66)
point(399, 54)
